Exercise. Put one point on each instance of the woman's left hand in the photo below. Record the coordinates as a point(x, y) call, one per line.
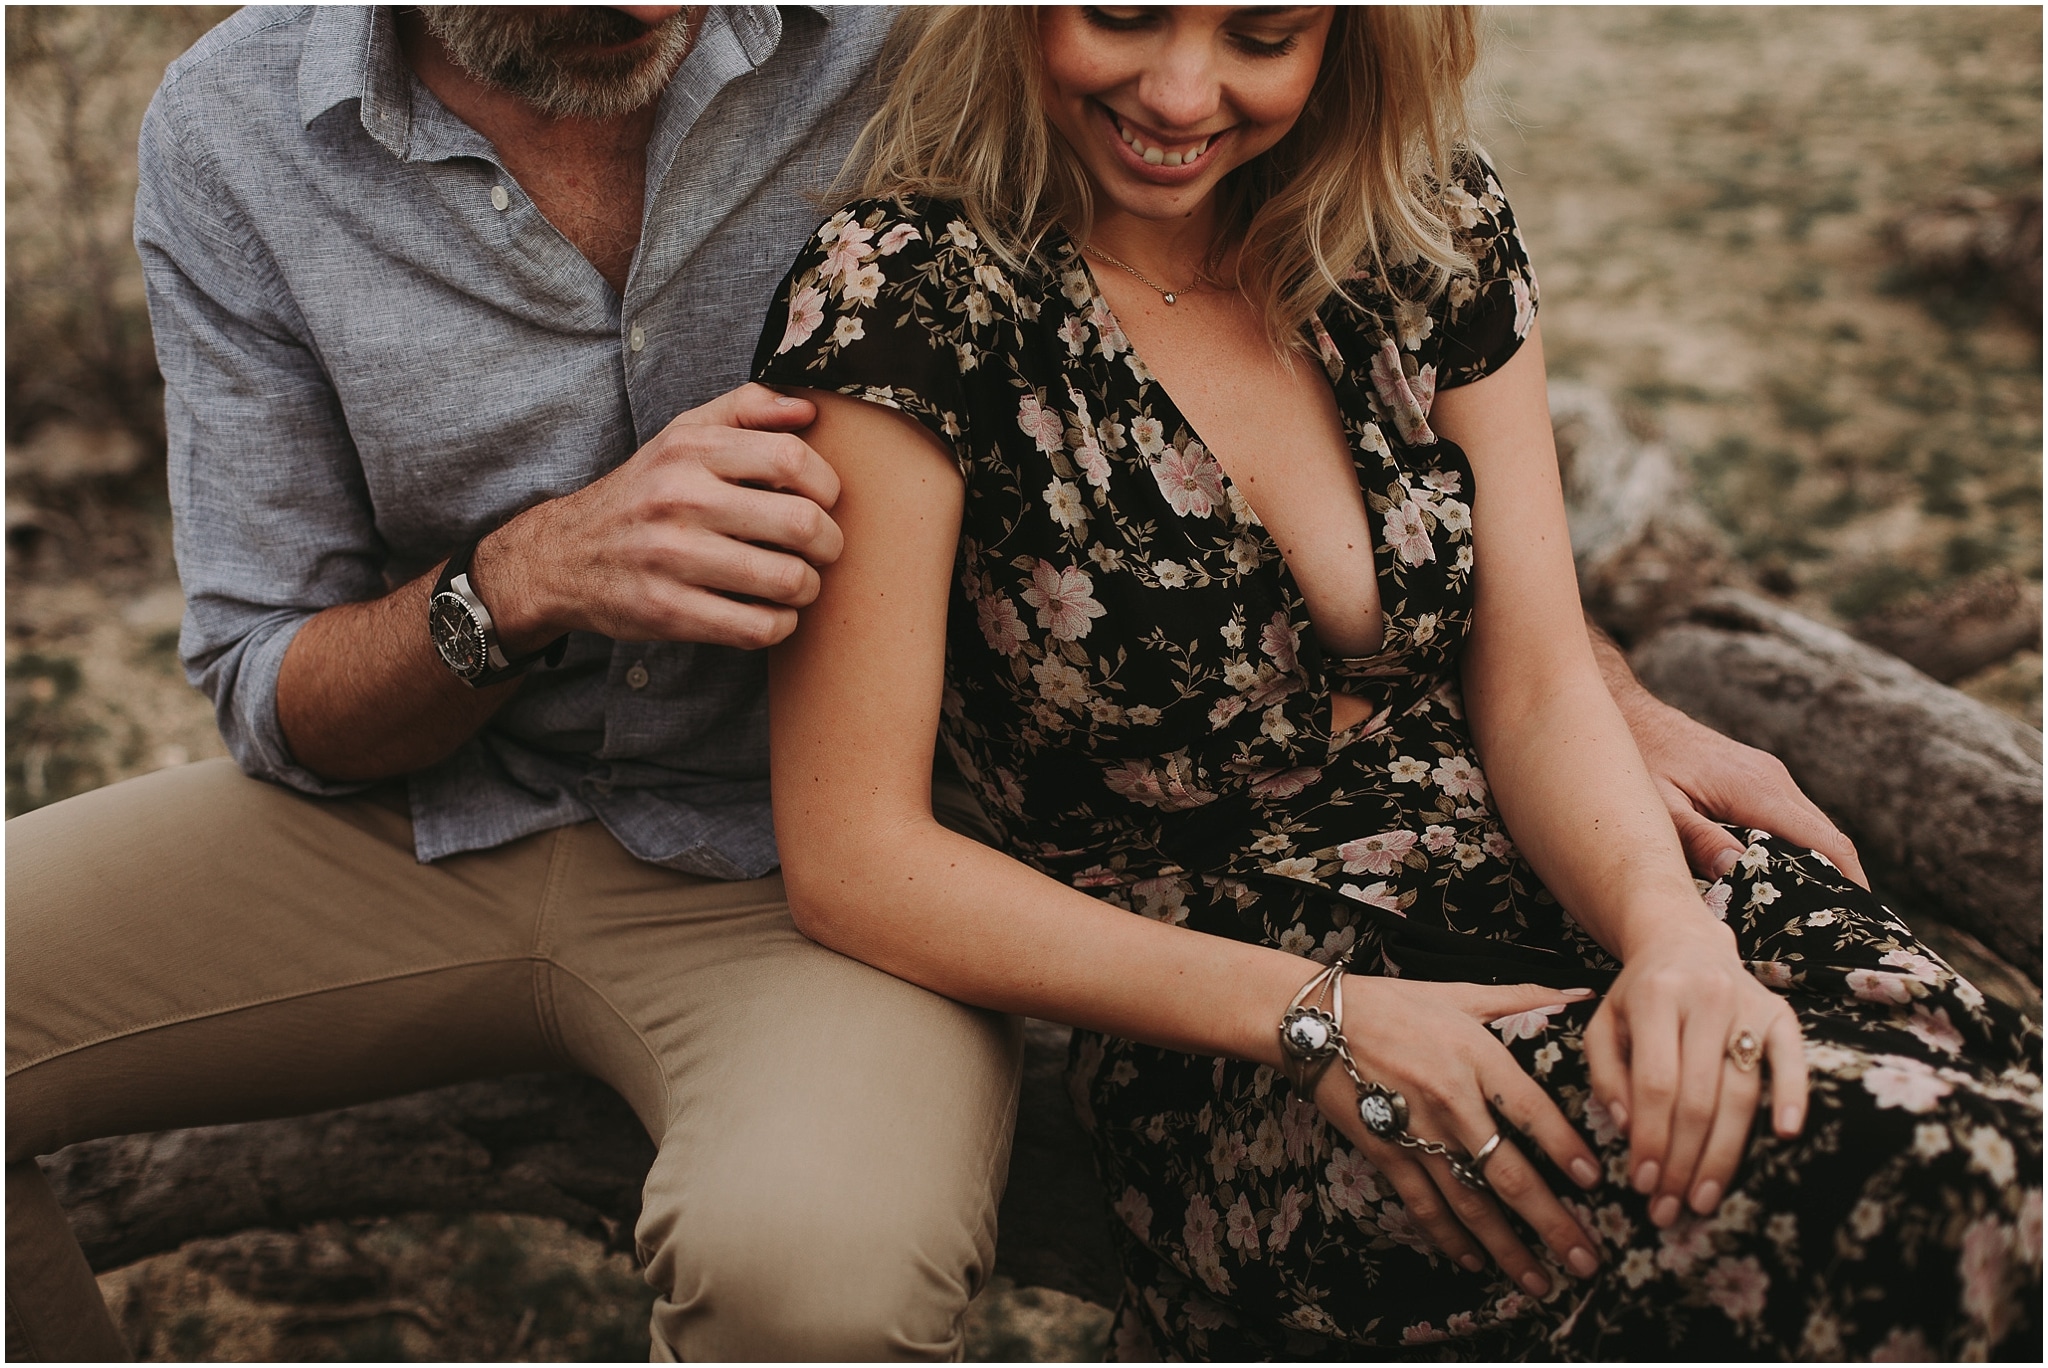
point(1661, 1056)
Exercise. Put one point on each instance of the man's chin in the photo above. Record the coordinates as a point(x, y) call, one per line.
point(587, 64)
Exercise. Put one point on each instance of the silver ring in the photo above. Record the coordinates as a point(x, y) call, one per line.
point(1477, 1163)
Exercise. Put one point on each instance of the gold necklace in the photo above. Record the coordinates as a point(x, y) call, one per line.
point(1202, 276)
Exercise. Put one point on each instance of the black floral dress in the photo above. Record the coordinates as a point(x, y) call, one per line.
point(1133, 689)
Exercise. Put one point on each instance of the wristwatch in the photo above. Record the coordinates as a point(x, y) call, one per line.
point(462, 631)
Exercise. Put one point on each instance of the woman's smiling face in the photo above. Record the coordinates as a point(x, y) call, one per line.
point(1161, 102)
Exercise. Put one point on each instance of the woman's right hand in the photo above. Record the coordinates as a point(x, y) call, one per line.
point(1430, 1043)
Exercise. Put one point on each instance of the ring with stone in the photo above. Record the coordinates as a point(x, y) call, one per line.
point(1745, 1051)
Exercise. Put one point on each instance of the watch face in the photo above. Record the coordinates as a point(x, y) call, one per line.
point(456, 635)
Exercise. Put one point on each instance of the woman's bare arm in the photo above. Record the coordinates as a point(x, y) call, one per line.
point(854, 708)
point(1572, 788)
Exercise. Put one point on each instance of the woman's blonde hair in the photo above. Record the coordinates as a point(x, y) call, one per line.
point(1352, 191)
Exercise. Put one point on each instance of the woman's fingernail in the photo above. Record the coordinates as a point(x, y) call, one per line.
point(1705, 1195)
point(1724, 863)
point(1617, 1112)
point(1585, 1172)
point(1473, 1262)
point(1581, 1262)
point(1535, 1283)
point(1664, 1211)
point(1788, 1120)
point(1647, 1175)
point(1578, 992)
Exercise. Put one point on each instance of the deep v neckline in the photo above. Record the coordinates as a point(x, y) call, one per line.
point(1147, 378)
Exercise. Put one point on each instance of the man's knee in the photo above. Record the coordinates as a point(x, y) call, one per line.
point(803, 1274)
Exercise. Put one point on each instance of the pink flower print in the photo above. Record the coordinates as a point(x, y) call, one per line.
point(897, 238)
point(1525, 304)
point(1174, 789)
point(1074, 333)
point(1437, 839)
point(1683, 1245)
point(1459, 777)
point(806, 312)
point(847, 252)
point(1088, 455)
point(1400, 1227)
point(861, 285)
point(1903, 1346)
point(1190, 479)
point(1286, 1219)
point(1326, 348)
point(1497, 845)
point(1738, 1287)
point(1200, 1228)
point(1298, 1130)
point(1134, 1209)
point(1380, 895)
point(1717, 897)
point(1875, 985)
point(1243, 1228)
point(1281, 643)
point(1935, 1030)
point(1422, 1332)
point(1775, 974)
point(1512, 1305)
point(1903, 1082)
point(1113, 342)
point(1985, 1270)
point(1063, 600)
point(1405, 398)
point(1408, 535)
point(1601, 1120)
point(1376, 854)
point(1004, 631)
point(1284, 783)
point(1525, 1025)
point(1042, 425)
point(1350, 1176)
point(2028, 1232)
point(1918, 966)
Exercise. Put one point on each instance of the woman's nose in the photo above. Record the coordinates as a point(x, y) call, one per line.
point(1180, 91)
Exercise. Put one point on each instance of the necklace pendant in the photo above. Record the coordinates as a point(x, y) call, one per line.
point(1167, 295)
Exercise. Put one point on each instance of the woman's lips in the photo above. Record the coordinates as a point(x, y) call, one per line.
point(1161, 163)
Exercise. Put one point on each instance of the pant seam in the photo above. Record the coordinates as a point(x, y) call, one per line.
point(547, 1017)
point(162, 1023)
point(639, 1038)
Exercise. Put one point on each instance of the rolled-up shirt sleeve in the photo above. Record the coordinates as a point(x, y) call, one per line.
point(273, 519)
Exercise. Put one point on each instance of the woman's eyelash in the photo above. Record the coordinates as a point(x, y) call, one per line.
point(1258, 48)
point(1115, 23)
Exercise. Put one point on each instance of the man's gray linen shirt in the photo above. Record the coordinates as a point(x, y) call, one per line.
point(375, 347)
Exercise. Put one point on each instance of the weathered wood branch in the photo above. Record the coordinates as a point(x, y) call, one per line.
point(544, 1144)
point(1941, 793)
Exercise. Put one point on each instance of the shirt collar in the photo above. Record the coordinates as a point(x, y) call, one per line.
point(351, 53)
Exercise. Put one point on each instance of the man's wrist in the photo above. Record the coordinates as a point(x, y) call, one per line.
point(504, 573)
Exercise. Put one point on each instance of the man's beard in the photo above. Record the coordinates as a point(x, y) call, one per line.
point(542, 55)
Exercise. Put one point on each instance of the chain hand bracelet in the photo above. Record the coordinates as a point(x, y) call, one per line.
point(1385, 1113)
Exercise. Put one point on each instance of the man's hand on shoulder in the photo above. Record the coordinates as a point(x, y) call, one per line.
point(1706, 778)
point(712, 532)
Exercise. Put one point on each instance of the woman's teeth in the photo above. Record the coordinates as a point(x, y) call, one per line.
point(1155, 157)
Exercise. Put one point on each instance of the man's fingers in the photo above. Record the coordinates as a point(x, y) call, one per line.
point(772, 460)
point(1785, 1048)
point(694, 614)
point(1709, 849)
point(752, 406)
point(787, 521)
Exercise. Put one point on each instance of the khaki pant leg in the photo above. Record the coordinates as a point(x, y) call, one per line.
point(833, 1140)
point(196, 947)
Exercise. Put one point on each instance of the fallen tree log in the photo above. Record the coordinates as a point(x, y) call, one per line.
point(1941, 793)
point(542, 1144)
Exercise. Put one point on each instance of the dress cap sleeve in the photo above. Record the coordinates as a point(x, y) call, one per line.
point(864, 312)
point(1488, 314)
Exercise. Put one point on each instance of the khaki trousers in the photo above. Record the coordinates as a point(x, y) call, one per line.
point(196, 947)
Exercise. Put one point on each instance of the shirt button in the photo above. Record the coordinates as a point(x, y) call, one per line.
point(638, 339)
point(636, 678)
point(499, 199)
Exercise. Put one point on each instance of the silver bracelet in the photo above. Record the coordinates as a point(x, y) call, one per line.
point(1310, 1037)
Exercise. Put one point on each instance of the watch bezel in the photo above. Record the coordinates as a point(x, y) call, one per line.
point(479, 641)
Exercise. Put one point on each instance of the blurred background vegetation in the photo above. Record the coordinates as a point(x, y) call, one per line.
point(1800, 247)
